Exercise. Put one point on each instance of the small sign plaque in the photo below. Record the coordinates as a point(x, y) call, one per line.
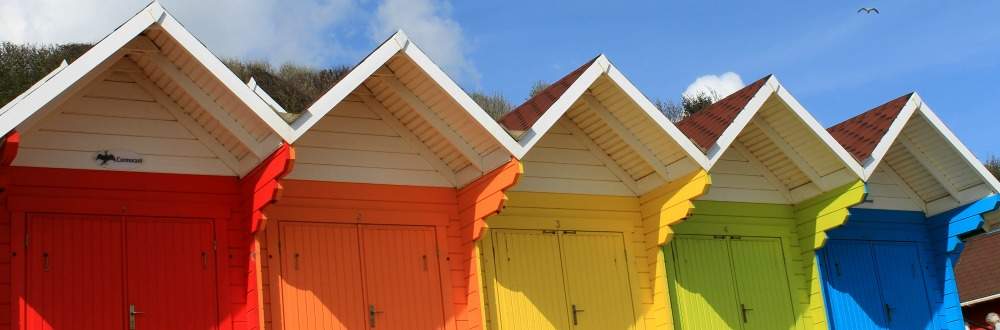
point(118, 159)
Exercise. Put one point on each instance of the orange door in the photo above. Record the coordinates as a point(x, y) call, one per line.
point(74, 275)
point(321, 286)
point(171, 281)
point(402, 278)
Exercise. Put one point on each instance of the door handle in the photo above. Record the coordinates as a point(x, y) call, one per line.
point(204, 260)
point(45, 261)
point(575, 312)
point(296, 261)
point(131, 316)
point(743, 312)
point(372, 313)
point(888, 312)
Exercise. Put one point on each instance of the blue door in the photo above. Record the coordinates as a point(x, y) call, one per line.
point(874, 285)
point(853, 295)
point(904, 291)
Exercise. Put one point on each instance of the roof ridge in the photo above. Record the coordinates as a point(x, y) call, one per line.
point(706, 126)
point(861, 134)
point(526, 114)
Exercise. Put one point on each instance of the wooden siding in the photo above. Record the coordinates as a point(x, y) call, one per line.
point(739, 176)
point(802, 228)
point(532, 210)
point(203, 78)
point(457, 213)
point(353, 144)
point(561, 162)
point(645, 221)
point(945, 232)
point(116, 112)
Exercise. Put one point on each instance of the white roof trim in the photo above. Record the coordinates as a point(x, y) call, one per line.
point(399, 43)
point(896, 128)
point(979, 300)
point(33, 87)
point(66, 78)
point(773, 86)
point(600, 66)
point(252, 84)
point(969, 157)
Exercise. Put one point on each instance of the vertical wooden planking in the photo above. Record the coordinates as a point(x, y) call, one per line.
point(402, 277)
point(703, 291)
point(171, 273)
point(74, 275)
point(597, 281)
point(762, 282)
point(525, 300)
point(320, 277)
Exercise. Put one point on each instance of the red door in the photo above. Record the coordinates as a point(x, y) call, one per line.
point(170, 273)
point(74, 275)
point(402, 278)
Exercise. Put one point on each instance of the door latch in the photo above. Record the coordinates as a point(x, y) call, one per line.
point(888, 312)
point(372, 313)
point(131, 316)
point(743, 312)
point(575, 312)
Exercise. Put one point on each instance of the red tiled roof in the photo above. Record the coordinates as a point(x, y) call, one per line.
point(861, 134)
point(706, 126)
point(978, 270)
point(526, 114)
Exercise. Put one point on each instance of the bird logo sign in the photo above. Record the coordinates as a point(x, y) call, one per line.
point(117, 159)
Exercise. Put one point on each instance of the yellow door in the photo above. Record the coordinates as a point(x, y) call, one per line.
point(597, 281)
point(528, 286)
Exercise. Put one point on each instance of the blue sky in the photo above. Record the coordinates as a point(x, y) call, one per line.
point(835, 61)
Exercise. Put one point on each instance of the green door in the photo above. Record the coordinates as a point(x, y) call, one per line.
point(703, 291)
point(764, 297)
point(725, 282)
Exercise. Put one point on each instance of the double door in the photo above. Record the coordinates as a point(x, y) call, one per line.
point(348, 276)
point(729, 282)
point(114, 272)
point(548, 279)
point(875, 285)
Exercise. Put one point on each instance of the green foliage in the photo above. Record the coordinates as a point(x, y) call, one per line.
point(696, 103)
point(496, 105)
point(23, 65)
point(294, 87)
point(993, 164)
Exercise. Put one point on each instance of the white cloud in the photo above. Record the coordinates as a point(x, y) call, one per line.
point(280, 31)
point(428, 23)
point(717, 85)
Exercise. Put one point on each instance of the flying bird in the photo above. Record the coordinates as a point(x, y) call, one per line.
point(872, 10)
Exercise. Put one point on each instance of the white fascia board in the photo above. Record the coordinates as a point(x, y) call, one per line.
point(970, 158)
point(222, 73)
point(739, 123)
point(33, 87)
point(346, 85)
point(656, 116)
point(461, 97)
point(895, 129)
point(69, 76)
point(257, 89)
point(817, 129)
point(551, 115)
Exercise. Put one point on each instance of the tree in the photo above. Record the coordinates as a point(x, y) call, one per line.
point(496, 105)
point(993, 164)
point(671, 109)
point(22, 65)
point(537, 87)
point(695, 103)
